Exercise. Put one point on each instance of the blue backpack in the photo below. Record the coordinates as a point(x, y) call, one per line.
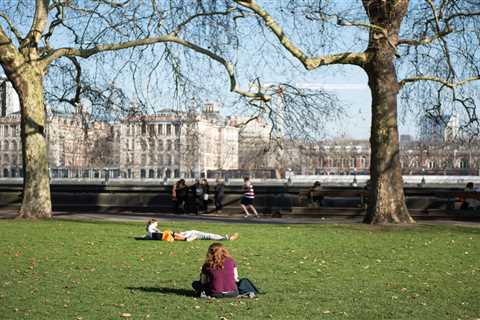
point(245, 287)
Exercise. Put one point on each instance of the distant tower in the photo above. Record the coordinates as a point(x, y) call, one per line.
point(9, 102)
point(452, 128)
point(432, 129)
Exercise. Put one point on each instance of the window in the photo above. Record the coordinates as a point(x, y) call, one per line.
point(177, 129)
point(169, 145)
point(177, 145)
point(160, 145)
point(143, 159)
point(160, 159)
point(169, 160)
point(160, 129)
point(144, 129)
point(169, 129)
point(151, 130)
point(153, 159)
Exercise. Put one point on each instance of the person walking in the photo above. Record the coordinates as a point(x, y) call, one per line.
point(219, 193)
point(246, 202)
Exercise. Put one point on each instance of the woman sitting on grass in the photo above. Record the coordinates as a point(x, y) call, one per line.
point(153, 233)
point(219, 274)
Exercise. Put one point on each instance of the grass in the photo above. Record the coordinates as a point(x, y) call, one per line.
point(84, 270)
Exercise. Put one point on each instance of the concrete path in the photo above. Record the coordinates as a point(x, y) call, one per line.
point(89, 216)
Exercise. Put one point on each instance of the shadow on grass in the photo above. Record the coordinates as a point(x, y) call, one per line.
point(176, 291)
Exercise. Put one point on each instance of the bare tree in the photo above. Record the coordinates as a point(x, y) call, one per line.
point(435, 34)
point(438, 39)
point(53, 36)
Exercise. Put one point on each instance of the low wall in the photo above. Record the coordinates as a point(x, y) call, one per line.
point(125, 196)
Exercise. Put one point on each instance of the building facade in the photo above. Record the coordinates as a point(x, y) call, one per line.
point(174, 144)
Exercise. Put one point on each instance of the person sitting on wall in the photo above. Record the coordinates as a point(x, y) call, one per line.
point(472, 203)
point(314, 195)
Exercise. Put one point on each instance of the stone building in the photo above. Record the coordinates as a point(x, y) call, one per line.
point(175, 144)
point(328, 157)
point(10, 146)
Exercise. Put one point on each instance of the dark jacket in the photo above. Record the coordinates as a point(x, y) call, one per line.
point(219, 190)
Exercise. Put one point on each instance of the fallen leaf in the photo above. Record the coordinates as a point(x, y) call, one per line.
point(125, 315)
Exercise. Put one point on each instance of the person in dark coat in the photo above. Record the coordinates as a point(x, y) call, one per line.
point(219, 194)
point(198, 194)
point(206, 190)
point(179, 195)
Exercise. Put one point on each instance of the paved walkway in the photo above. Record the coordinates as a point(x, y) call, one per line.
point(9, 214)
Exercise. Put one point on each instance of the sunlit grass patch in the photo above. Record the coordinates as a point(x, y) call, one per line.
point(83, 270)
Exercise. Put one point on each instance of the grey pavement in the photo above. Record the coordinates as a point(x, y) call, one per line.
point(215, 218)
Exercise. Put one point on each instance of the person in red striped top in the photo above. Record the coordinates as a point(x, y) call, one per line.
point(246, 202)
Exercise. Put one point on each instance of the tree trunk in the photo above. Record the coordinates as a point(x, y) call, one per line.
point(36, 201)
point(386, 196)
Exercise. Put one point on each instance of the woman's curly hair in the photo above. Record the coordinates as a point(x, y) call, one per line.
point(216, 255)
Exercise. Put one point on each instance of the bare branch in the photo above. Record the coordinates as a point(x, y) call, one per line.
point(11, 26)
point(38, 25)
point(310, 63)
point(85, 53)
point(182, 25)
point(426, 40)
point(444, 82)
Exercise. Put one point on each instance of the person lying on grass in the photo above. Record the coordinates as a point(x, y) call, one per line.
point(153, 233)
point(219, 274)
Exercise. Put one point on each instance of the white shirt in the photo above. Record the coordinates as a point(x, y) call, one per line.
point(151, 229)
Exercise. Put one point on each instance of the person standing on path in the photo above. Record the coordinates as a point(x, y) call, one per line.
point(206, 190)
point(198, 195)
point(246, 202)
point(219, 194)
point(179, 195)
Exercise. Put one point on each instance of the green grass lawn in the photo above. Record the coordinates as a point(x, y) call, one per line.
point(92, 270)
